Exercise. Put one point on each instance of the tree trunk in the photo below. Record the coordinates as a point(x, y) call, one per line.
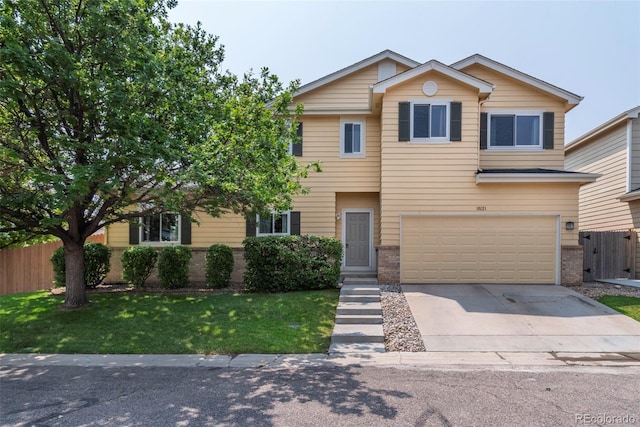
point(76, 292)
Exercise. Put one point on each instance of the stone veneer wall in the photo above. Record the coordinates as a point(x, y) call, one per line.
point(389, 265)
point(197, 273)
point(571, 265)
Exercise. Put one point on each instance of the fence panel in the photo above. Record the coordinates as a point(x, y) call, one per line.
point(608, 254)
point(29, 269)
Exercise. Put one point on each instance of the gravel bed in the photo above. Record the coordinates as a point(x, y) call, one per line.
point(401, 332)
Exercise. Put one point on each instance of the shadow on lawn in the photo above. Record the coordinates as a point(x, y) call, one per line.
point(195, 396)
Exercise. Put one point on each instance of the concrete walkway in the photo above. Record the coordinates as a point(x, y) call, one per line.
point(625, 282)
point(518, 318)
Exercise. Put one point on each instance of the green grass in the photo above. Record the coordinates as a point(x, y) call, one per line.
point(629, 306)
point(127, 323)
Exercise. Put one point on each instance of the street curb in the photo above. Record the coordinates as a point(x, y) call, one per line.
point(418, 360)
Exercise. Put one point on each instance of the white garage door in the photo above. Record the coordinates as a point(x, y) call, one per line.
point(478, 249)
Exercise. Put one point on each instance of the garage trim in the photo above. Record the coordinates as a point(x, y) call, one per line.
point(558, 222)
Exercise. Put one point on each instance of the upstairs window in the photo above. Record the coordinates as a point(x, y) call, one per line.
point(352, 138)
point(428, 121)
point(276, 224)
point(515, 130)
point(160, 228)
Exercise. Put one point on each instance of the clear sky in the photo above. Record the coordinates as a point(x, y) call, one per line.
point(590, 48)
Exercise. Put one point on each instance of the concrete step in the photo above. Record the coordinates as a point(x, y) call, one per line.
point(358, 319)
point(357, 348)
point(351, 308)
point(352, 334)
point(359, 298)
point(360, 281)
point(360, 289)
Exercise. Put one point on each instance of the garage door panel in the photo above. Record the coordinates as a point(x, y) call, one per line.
point(500, 249)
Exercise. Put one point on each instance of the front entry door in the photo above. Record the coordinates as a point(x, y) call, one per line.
point(357, 239)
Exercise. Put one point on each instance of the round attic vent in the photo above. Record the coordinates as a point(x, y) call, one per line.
point(430, 88)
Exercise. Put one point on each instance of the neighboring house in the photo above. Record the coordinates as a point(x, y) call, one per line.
point(613, 151)
point(432, 173)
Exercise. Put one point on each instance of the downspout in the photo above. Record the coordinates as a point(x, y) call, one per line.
point(629, 155)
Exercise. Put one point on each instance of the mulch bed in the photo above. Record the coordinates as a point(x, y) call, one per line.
point(153, 288)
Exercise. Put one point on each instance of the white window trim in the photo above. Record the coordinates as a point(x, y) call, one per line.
point(142, 242)
point(288, 233)
point(363, 137)
point(539, 113)
point(436, 101)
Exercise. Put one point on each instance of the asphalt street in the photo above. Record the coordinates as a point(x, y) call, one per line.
point(316, 396)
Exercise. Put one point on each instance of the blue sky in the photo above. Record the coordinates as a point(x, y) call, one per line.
point(590, 48)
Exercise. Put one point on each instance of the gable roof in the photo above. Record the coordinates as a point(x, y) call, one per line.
point(633, 113)
point(385, 54)
point(483, 86)
point(571, 98)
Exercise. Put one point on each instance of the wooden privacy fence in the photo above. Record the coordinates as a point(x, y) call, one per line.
point(29, 268)
point(608, 254)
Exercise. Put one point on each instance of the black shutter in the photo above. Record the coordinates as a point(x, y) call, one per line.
point(547, 130)
point(296, 149)
point(404, 125)
point(484, 117)
point(251, 228)
point(134, 231)
point(185, 229)
point(455, 125)
point(295, 223)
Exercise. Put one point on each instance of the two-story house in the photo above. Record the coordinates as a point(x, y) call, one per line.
point(611, 150)
point(432, 173)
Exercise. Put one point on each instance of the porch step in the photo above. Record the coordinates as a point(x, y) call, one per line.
point(356, 334)
point(360, 289)
point(358, 319)
point(359, 280)
point(371, 308)
point(374, 347)
point(359, 298)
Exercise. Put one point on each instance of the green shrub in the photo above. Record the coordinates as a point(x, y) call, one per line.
point(137, 264)
point(97, 263)
point(219, 261)
point(291, 263)
point(173, 266)
point(57, 261)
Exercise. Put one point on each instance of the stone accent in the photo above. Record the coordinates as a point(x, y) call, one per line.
point(389, 265)
point(197, 267)
point(571, 265)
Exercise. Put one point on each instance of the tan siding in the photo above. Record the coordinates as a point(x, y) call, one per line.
point(440, 178)
point(321, 142)
point(635, 152)
point(510, 94)
point(351, 91)
point(607, 155)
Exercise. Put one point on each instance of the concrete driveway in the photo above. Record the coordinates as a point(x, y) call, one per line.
point(515, 318)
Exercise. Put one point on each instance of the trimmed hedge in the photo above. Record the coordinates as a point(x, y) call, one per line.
point(291, 263)
point(173, 266)
point(219, 266)
point(97, 263)
point(137, 264)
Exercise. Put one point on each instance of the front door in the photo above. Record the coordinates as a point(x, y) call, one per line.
point(357, 239)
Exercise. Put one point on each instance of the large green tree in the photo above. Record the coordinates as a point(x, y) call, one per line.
point(104, 105)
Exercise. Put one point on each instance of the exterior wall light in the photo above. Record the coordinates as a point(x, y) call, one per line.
point(569, 225)
point(338, 216)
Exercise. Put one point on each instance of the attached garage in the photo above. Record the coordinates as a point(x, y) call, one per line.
point(479, 249)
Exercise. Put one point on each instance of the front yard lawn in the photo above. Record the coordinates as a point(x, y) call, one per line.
point(130, 323)
point(629, 306)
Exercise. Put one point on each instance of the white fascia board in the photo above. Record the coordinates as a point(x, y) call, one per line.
point(570, 97)
point(633, 113)
point(481, 85)
point(386, 54)
point(582, 178)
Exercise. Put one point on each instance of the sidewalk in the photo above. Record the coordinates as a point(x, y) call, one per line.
point(423, 360)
